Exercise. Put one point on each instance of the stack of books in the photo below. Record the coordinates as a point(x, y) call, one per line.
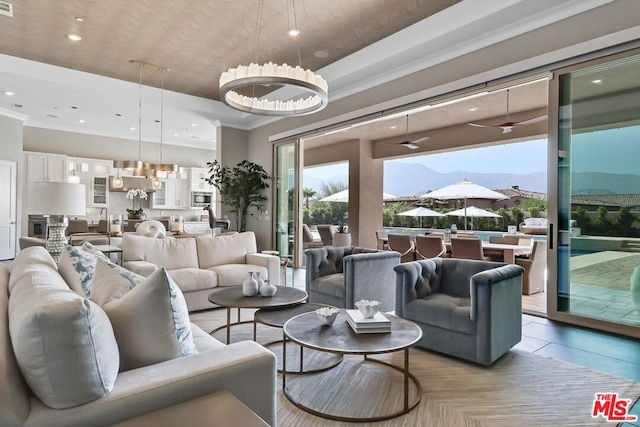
point(376, 325)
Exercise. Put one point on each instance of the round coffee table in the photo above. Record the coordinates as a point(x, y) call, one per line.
point(306, 330)
point(310, 361)
point(232, 297)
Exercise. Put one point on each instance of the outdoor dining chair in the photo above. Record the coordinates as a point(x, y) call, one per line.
point(402, 243)
point(326, 232)
point(533, 277)
point(382, 237)
point(430, 246)
point(467, 248)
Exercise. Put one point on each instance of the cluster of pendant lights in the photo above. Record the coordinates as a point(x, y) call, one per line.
point(138, 167)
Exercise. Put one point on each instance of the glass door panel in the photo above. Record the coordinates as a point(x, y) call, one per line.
point(599, 191)
point(286, 200)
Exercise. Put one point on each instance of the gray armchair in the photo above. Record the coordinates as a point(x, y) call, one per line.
point(466, 308)
point(343, 275)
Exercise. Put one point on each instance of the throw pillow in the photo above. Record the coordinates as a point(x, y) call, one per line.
point(110, 282)
point(63, 343)
point(151, 321)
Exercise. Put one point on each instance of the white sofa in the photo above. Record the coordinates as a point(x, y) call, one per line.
point(200, 265)
point(245, 369)
point(534, 226)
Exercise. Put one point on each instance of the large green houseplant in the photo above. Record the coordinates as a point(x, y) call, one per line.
point(241, 188)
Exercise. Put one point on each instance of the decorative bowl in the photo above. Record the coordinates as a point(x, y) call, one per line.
point(368, 308)
point(327, 315)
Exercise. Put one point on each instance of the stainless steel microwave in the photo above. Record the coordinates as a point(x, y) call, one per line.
point(200, 199)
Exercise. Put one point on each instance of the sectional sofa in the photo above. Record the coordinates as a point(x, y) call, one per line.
point(62, 355)
point(200, 265)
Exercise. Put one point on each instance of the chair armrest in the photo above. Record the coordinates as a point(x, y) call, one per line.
point(408, 276)
point(246, 369)
point(143, 268)
point(501, 285)
point(371, 276)
point(271, 262)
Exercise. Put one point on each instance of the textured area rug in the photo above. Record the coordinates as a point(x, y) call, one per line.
point(520, 389)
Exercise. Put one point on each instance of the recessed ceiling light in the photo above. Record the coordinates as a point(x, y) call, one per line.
point(175, 134)
point(53, 116)
point(79, 18)
point(392, 127)
point(596, 81)
point(118, 115)
point(132, 128)
point(9, 93)
point(293, 32)
point(321, 54)
point(194, 137)
point(74, 37)
point(473, 109)
point(193, 124)
point(74, 108)
point(80, 120)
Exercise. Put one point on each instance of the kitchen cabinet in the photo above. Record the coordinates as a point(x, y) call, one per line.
point(172, 194)
point(46, 167)
point(197, 182)
point(94, 174)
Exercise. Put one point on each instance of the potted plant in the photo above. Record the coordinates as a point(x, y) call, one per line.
point(241, 188)
point(136, 195)
point(342, 237)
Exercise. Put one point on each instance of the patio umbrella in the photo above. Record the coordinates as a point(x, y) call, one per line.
point(420, 212)
point(472, 211)
point(343, 196)
point(464, 190)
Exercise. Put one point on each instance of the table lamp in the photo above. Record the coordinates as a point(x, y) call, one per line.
point(57, 200)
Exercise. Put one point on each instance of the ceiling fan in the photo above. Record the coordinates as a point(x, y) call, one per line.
point(411, 144)
point(509, 125)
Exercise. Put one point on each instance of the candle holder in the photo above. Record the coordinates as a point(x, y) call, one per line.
point(115, 225)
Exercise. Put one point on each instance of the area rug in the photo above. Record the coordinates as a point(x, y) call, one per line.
point(520, 389)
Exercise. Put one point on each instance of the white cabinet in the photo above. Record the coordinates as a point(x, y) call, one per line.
point(197, 182)
point(172, 194)
point(46, 167)
point(94, 174)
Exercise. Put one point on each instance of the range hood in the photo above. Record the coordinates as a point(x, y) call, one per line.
point(133, 182)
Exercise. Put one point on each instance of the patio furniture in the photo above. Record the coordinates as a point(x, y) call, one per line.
point(466, 308)
point(343, 275)
point(402, 243)
point(467, 248)
point(430, 246)
point(534, 226)
point(308, 241)
point(533, 278)
point(383, 240)
point(326, 232)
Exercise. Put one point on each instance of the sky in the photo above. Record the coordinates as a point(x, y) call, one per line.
point(519, 158)
point(610, 151)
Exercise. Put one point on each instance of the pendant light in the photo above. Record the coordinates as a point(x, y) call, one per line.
point(117, 181)
point(162, 170)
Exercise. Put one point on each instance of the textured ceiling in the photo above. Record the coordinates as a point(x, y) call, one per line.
point(198, 40)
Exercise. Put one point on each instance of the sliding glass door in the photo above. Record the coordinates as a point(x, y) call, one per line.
point(598, 193)
point(287, 212)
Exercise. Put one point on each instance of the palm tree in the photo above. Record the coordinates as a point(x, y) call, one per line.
point(308, 193)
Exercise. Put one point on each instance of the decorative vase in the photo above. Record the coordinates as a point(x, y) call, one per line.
point(635, 287)
point(250, 286)
point(256, 275)
point(267, 289)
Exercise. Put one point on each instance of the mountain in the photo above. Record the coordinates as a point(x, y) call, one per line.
point(586, 183)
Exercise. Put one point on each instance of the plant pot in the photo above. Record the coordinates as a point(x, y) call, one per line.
point(341, 239)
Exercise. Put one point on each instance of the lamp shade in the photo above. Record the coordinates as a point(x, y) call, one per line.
point(56, 198)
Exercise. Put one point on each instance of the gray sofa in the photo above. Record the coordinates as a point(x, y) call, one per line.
point(340, 276)
point(245, 369)
point(466, 308)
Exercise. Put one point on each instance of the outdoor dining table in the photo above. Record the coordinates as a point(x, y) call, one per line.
point(507, 252)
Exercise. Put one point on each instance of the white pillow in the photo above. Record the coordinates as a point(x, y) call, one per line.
point(150, 322)
point(543, 222)
point(64, 343)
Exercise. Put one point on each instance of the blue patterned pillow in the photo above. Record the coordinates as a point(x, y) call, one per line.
point(77, 266)
point(129, 276)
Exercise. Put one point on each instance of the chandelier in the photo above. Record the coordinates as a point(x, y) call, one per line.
point(315, 88)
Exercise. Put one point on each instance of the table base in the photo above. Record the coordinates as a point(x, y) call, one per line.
point(320, 412)
point(313, 361)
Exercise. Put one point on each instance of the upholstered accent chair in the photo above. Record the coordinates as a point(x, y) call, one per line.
point(430, 246)
point(534, 266)
point(466, 308)
point(382, 237)
point(341, 276)
point(402, 243)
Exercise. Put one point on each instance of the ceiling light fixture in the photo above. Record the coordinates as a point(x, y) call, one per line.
point(241, 77)
point(74, 37)
point(9, 93)
point(161, 169)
